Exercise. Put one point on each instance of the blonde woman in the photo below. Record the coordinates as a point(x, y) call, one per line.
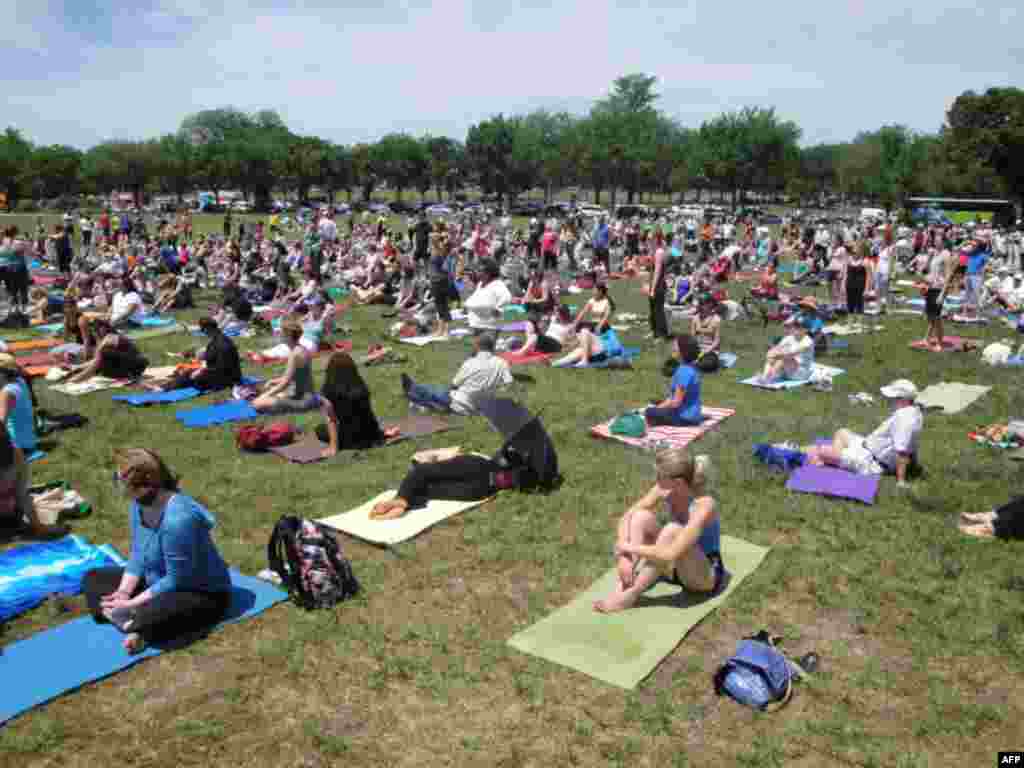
point(685, 550)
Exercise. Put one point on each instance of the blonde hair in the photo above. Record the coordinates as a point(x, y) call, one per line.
point(676, 463)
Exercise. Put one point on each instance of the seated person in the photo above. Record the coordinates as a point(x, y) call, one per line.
point(538, 296)
point(481, 375)
point(682, 406)
point(768, 285)
point(349, 421)
point(890, 449)
point(1006, 522)
point(115, 356)
point(125, 308)
point(17, 514)
point(599, 308)
point(16, 409)
point(706, 328)
point(173, 293)
point(176, 581)
point(41, 306)
point(591, 348)
point(293, 391)
point(537, 339)
point(792, 359)
point(686, 550)
point(221, 369)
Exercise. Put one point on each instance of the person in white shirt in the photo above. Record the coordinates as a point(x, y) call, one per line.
point(792, 359)
point(882, 271)
point(328, 229)
point(480, 376)
point(890, 449)
point(486, 303)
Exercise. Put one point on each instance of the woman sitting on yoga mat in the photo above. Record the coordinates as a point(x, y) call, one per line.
point(706, 327)
point(116, 356)
point(221, 369)
point(599, 307)
point(537, 339)
point(298, 376)
point(682, 407)
point(792, 359)
point(16, 411)
point(538, 296)
point(17, 514)
point(176, 582)
point(591, 348)
point(685, 550)
point(349, 421)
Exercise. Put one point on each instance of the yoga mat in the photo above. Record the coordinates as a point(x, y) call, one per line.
point(95, 384)
point(153, 333)
point(221, 413)
point(32, 572)
point(627, 357)
point(357, 522)
point(36, 359)
point(422, 341)
point(624, 648)
point(819, 370)
point(518, 327)
point(677, 437)
point(63, 659)
point(530, 358)
point(307, 450)
point(24, 346)
point(151, 398)
point(727, 359)
point(155, 321)
point(831, 481)
point(952, 397)
point(967, 320)
point(36, 455)
point(949, 344)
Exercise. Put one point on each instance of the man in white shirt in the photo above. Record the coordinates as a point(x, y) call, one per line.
point(328, 229)
point(480, 376)
point(491, 295)
point(890, 449)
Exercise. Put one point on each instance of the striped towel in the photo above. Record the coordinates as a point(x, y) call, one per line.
point(676, 437)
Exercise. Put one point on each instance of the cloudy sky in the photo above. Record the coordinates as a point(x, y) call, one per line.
point(81, 71)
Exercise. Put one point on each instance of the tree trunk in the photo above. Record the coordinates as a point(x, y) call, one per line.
point(597, 195)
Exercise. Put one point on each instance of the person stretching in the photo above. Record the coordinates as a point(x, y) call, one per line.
point(685, 551)
point(175, 582)
point(349, 421)
point(480, 376)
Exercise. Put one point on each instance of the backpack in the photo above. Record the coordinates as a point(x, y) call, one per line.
point(309, 561)
point(261, 437)
point(757, 675)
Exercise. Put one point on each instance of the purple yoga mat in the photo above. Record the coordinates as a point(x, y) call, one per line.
point(829, 481)
point(517, 327)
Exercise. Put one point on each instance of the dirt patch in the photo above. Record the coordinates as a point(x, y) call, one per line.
point(518, 592)
point(344, 723)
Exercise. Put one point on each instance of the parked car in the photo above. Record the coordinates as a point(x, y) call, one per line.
point(526, 208)
point(439, 210)
point(632, 211)
point(403, 208)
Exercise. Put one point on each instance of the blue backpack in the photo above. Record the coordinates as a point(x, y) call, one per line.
point(757, 675)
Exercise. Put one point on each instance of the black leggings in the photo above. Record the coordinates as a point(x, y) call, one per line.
point(164, 617)
point(439, 290)
point(464, 478)
point(658, 319)
point(1009, 522)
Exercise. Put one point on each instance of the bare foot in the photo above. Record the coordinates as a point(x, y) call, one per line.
point(619, 601)
point(134, 643)
point(977, 517)
point(983, 531)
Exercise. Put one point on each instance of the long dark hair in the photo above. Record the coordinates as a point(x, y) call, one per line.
point(342, 380)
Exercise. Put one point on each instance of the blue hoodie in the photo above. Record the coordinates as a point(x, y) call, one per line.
point(179, 556)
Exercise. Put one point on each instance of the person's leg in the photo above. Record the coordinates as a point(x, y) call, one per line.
point(173, 614)
point(660, 417)
point(463, 478)
point(97, 584)
point(660, 318)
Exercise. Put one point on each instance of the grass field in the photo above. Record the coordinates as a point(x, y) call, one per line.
point(920, 632)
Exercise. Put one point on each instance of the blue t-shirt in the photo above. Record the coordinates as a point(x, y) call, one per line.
point(20, 419)
point(812, 323)
point(976, 261)
point(689, 412)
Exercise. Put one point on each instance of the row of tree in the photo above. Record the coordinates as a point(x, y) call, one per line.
point(625, 143)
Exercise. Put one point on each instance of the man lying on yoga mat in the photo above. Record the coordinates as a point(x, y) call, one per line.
point(349, 421)
point(685, 550)
point(176, 582)
point(17, 514)
point(682, 407)
point(890, 449)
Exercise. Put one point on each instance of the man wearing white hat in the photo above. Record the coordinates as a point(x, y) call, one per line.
point(890, 449)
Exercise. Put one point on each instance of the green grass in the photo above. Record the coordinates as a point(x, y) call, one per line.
point(918, 629)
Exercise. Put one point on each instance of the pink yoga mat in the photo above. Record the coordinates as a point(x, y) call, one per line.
point(949, 344)
point(677, 437)
point(515, 358)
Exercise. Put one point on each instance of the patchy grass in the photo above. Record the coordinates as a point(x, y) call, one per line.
point(919, 631)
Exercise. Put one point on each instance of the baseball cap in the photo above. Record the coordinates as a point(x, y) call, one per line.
point(901, 389)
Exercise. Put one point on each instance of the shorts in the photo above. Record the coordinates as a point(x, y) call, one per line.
point(858, 459)
point(932, 307)
point(717, 568)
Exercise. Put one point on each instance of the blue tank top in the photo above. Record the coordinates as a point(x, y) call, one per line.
point(711, 537)
point(21, 419)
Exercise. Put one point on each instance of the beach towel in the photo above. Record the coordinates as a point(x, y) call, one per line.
point(951, 397)
point(949, 344)
point(624, 648)
point(95, 384)
point(675, 437)
point(835, 482)
point(530, 358)
point(64, 658)
point(32, 572)
point(357, 522)
point(221, 413)
point(308, 450)
point(49, 329)
point(37, 360)
point(818, 372)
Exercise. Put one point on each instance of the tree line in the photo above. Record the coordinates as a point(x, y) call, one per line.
point(624, 144)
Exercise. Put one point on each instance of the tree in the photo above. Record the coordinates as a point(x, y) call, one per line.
point(363, 175)
point(129, 165)
point(177, 164)
point(631, 94)
point(990, 127)
point(54, 170)
point(445, 161)
point(489, 148)
point(307, 163)
point(401, 160)
point(15, 155)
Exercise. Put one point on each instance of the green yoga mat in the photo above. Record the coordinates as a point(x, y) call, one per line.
point(152, 333)
point(624, 648)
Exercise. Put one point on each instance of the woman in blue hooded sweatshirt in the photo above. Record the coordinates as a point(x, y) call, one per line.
point(176, 581)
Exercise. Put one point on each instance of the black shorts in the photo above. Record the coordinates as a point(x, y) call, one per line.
point(717, 566)
point(932, 307)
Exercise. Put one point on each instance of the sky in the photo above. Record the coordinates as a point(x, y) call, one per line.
point(80, 72)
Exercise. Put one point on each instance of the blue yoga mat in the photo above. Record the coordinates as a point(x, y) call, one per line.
point(31, 572)
point(155, 321)
point(222, 413)
point(151, 398)
point(62, 659)
point(51, 328)
point(36, 455)
point(628, 353)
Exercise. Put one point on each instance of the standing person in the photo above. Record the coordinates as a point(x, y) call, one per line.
point(227, 224)
point(176, 581)
point(656, 296)
point(533, 246)
point(62, 244)
point(14, 267)
point(85, 224)
point(837, 268)
point(977, 259)
point(855, 277)
point(882, 272)
point(939, 277)
point(105, 223)
point(601, 240)
point(440, 279)
point(421, 238)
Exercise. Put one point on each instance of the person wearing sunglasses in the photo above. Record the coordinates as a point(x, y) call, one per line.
point(175, 582)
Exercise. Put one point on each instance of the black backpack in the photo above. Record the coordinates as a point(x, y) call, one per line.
point(309, 561)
